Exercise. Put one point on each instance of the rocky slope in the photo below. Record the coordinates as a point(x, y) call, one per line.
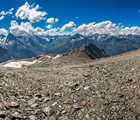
point(102, 89)
point(86, 54)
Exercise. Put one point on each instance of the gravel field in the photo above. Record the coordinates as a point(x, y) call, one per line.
point(103, 89)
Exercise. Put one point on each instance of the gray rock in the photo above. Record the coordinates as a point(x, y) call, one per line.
point(11, 104)
point(16, 115)
point(32, 101)
point(32, 117)
point(64, 111)
point(76, 108)
point(3, 114)
point(87, 116)
point(34, 105)
point(86, 87)
point(54, 104)
point(48, 111)
point(46, 99)
point(29, 111)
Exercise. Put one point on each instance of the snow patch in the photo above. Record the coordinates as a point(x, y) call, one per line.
point(47, 56)
point(57, 56)
point(19, 64)
point(40, 61)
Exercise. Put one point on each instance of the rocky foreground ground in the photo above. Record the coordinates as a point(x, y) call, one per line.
point(104, 89)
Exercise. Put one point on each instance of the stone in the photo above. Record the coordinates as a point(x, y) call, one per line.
point(64, 111)
point(76, 108)
point(83, 102)
point(86, 87)
point(31, 102)
point(3, 114)
point(29, 111)
point(16, 115)
point(75, 87)
point(54, 104)
point(87, 116)
point(48, 111)
point(46, 99)
point(11, 104)
point(32, 117)
point(57, 94)
point(34, 105)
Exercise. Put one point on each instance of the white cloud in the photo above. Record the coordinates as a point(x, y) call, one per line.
point(105, 27)
point(10, 12)
point(69, 26)
point(51, 22)
point(38, 31)
point(52, 32)
point(22, 29)
point(131, 30)
point(49, 26)
point(5, 13)
point(1, 17)
point(26, 29)
point(85, 29)
point(3, 32)
point(30, 12)
point(56, 20)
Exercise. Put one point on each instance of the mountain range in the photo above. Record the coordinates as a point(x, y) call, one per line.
point(20, 47)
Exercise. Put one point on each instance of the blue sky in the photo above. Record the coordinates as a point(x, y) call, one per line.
point(125, 12)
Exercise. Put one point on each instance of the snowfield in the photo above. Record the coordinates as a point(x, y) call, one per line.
point(19, 64)
point(22, 63)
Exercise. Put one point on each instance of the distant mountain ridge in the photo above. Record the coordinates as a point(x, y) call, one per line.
point(84, 55)
point(20, 47)
point(4, 55)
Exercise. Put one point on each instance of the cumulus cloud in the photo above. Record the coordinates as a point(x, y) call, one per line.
point(105, 27)
point(51, 22)
point(85, 29)
point(52, 32)
point(30, 12)
point(69, 26)
point(56, 20)
point(22, 29)
point(3, 31)
point(5, 13)
point(49, 26)
point(26, 29)
point(131, 30)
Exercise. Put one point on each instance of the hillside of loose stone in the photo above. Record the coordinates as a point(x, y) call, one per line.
point(101, 89)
